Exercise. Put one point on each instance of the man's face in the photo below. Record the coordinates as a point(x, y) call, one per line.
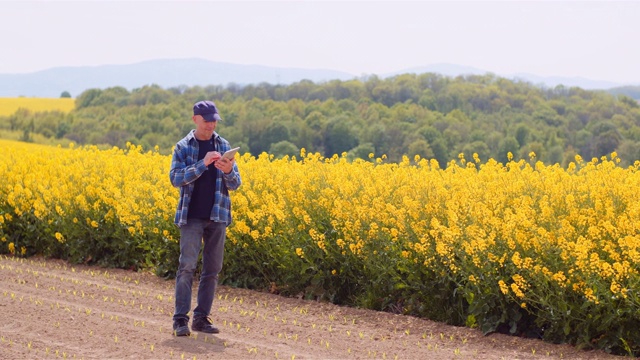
point(204, 129)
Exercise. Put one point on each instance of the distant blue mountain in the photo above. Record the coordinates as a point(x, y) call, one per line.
point(165, 73)
point(546, 81)
point(198, 72)
point(553, 81)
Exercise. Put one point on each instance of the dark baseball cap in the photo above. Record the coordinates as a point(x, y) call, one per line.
point(207, 109)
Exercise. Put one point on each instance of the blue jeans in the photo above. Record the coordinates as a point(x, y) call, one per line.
point(192, 235)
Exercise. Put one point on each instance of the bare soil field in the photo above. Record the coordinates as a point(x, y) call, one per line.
point(54, 310)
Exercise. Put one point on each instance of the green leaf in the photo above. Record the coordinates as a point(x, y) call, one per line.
point(400, 286)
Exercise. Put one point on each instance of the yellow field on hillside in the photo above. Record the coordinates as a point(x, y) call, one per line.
point(9, 106)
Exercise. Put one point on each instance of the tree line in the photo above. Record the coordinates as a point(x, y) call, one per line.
point(428, 114)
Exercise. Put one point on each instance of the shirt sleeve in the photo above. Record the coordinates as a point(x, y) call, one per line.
point(182, 174)
point(232, 180)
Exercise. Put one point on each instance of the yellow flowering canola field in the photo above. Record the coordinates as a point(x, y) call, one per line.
point(9, 106)
point(540, 239)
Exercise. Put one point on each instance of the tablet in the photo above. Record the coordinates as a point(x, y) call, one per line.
point(229, 154)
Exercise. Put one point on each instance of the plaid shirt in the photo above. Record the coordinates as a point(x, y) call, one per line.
point(186, 169)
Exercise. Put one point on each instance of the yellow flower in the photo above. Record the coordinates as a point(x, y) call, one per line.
point(559, 278)
point(615, 287)
point(59, 210)
point(589, 294)
point(299, 252)
point(503, 287)
point(517, 261)
point(516, 290)
point(60, 237)
point(12, 248)
point(353, 248)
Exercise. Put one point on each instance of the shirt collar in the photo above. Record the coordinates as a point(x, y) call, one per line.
point(192, 136)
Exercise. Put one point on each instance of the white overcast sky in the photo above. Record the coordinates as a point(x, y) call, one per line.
point(598, 40)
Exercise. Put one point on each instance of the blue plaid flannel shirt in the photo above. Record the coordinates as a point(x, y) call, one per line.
point(186, 169)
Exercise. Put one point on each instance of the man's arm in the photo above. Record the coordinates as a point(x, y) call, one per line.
point(230, 172)
point(232, 180)
point(182, 174)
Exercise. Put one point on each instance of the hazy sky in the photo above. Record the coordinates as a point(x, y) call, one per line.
point(599, 40)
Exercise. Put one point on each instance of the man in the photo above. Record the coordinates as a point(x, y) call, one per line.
point(203, 214)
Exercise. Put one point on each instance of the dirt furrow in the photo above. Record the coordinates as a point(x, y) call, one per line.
point(55, 310)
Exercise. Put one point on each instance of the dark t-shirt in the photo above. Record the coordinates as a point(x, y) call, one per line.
point(204, 189)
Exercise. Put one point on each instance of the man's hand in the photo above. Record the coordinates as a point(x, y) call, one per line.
point(210, 157)
point(226, 165)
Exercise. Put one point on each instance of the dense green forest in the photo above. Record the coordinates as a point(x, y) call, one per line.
point(430, 115)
